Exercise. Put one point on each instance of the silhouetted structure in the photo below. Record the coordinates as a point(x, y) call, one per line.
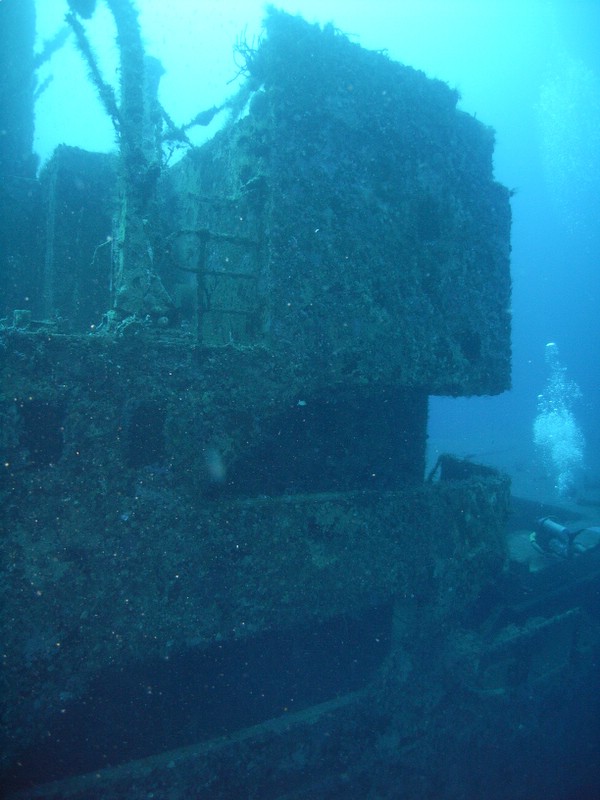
point(216, 510)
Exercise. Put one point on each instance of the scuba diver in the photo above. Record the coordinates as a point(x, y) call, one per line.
point(552, 538)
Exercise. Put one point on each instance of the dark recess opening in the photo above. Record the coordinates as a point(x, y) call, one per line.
point(41, 431)
point(144, 437)
point(163, 704)
point(346, 441)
